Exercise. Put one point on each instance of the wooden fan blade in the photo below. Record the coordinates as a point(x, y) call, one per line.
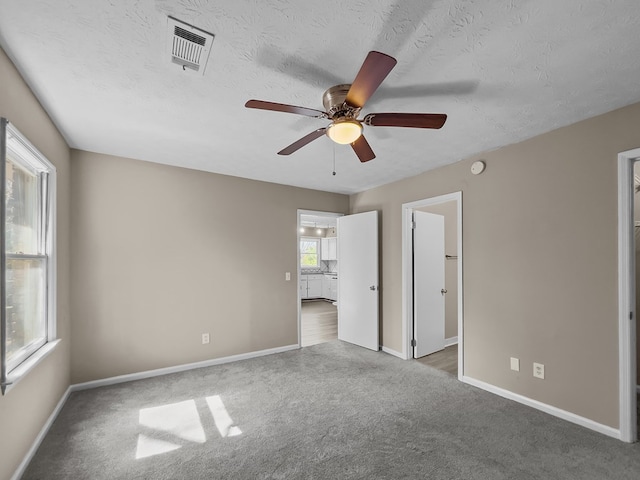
point(414, 120)
point(374, 70)
point(303, 141)
point(363, 149)
point(281, 107)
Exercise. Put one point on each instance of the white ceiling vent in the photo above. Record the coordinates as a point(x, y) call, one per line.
point(188, 46)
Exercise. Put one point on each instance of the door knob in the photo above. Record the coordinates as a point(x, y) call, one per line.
point(372, 287)
point(443, 291)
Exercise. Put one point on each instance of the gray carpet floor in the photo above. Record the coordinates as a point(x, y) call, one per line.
point(329, 411)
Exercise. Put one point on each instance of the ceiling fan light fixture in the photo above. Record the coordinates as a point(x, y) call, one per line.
point(343, 104)
point(344, 131)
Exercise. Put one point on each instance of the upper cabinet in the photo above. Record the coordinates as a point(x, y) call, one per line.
point(329, 249)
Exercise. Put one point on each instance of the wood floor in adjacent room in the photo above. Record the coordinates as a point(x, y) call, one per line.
point(319, 322)
point(445, 360)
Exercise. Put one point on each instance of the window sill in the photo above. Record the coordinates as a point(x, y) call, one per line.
point(29, 364)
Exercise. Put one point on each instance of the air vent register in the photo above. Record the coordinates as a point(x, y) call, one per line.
point(188, 46)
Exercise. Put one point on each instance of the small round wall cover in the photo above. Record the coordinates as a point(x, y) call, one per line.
point(477, 167)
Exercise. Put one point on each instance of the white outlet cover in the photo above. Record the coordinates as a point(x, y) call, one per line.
point(538, 370)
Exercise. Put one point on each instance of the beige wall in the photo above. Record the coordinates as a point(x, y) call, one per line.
point(540, 261)
point(164, 254)
point(449, 211)
point(26, 407)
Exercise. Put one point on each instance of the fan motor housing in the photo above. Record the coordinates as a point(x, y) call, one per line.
point(334, 102)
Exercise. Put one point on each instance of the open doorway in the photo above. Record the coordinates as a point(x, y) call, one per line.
point(317, 277)
point(432, 282)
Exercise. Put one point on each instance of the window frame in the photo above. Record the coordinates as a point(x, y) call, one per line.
point(31, 157)
point(319, 243)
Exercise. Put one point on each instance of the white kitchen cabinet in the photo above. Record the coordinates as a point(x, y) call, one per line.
point(330, 286)
point(329, 248)
point(311, 286)
point(333, 291)
point(314, 286)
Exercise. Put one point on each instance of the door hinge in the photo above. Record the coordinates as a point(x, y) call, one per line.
point(413, 225)
point(630, 315)
point(413, 342)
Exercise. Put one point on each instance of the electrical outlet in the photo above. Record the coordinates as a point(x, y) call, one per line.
point(287, 276)
point(538, 370)
point(205, 338)
point(515, 364)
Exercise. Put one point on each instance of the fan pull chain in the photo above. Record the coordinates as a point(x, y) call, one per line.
point(334, 159)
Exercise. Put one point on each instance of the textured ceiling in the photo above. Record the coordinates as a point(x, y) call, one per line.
point(502, 70)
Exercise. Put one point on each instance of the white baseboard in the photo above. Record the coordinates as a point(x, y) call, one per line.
point(43, 433)
point(392, 352)
point(450, 341)
point(128, 378)
point(178, 368)
point(551, 410)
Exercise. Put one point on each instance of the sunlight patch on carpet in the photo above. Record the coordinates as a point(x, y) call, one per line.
point(148, 447)
point(224, 423)
point(170, 427)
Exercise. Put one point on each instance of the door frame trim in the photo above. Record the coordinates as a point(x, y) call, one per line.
point(626, 297)
point(407, 276)
point(299, 213)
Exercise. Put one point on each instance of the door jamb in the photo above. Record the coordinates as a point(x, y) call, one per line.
point(407, 273)
point(299, 213)
point(627, 322)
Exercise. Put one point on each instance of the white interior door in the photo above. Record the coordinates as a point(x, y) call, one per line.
point(358, 280)
point(428, 283)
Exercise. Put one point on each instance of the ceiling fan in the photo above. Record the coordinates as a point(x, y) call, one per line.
point(343, 104)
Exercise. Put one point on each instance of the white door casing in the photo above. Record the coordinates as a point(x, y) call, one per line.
point(428, 283)
point(358, 280)
point(627, 315)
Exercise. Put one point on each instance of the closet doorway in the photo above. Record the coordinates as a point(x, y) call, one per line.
point(432, 282)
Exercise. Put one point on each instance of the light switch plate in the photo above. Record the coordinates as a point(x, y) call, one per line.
point(287, 276)
point(515, 364)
